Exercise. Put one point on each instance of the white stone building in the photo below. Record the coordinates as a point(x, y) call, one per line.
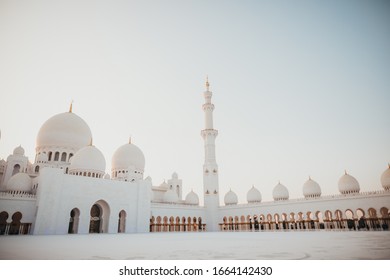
point(67, 190)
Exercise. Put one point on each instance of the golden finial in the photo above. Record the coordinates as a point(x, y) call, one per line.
point(129, 139)
point(345, 172)
point(309, 178)
point(90, 142)
point(71, 107)
point(207, 83)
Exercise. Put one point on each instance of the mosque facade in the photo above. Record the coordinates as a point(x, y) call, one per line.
point(66, 190)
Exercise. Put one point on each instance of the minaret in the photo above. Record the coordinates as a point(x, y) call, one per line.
point(210, 167)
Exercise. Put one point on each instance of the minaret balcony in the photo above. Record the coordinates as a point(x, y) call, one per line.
point(208, 107)
point(209, 132)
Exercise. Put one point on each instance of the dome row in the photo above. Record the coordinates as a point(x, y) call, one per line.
point(91, 159)
point(347, 184)
point(69, 131)
point(171, 196)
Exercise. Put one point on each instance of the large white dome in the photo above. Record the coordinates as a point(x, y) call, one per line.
point(65, 130)
point(253, 195)
point(280, 192)
point(230, 198)
point(20, 182)
point(348, 184)
point(311, 189)
point(385, 179)
point(126, 156)
point(192, 198)
point(89, 159)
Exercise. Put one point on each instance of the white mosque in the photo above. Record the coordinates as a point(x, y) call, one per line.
point(67, 191)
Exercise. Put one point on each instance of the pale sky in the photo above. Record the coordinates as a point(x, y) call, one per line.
point(300, 87)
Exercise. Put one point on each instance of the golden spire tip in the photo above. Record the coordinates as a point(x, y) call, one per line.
point(71, 107)
point(207, 83)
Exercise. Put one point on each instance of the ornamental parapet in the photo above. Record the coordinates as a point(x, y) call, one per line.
point(17, 195)
point(311, 199)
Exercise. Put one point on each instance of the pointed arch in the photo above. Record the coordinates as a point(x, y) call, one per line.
point(99, 217)
point(350, 219)
point(15, 224)
point(385, 218)
point(329, 224)
point(183, 223)
point(16, 169)
point(3, 222)
point(177, 223)
point(165, 223)
point(122, 221)
point(152, 226)
point(74, 221)
point(277, 220)
point(159, 224)
point(200, 225)
point(320, 220)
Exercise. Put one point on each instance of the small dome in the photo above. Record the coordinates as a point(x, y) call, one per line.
point(311, 189)
point(107, 176)
point(163, 186)
point(171, 196)
point(18, 151)
point(66, 130)
point(42, 158)
point(88, 159)
point(348, 184)
point(280, 192)
point(20, 182)
point(175, 176)
point(253, 195)
point(230, 198)
point(192, 198)
point(385, 179)
point(128, 155)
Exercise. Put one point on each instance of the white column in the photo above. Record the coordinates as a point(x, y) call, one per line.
point(210, 167)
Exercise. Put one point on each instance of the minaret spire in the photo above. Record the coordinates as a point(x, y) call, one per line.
point(71, 107)
point(210, 167)
point(207, 83)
